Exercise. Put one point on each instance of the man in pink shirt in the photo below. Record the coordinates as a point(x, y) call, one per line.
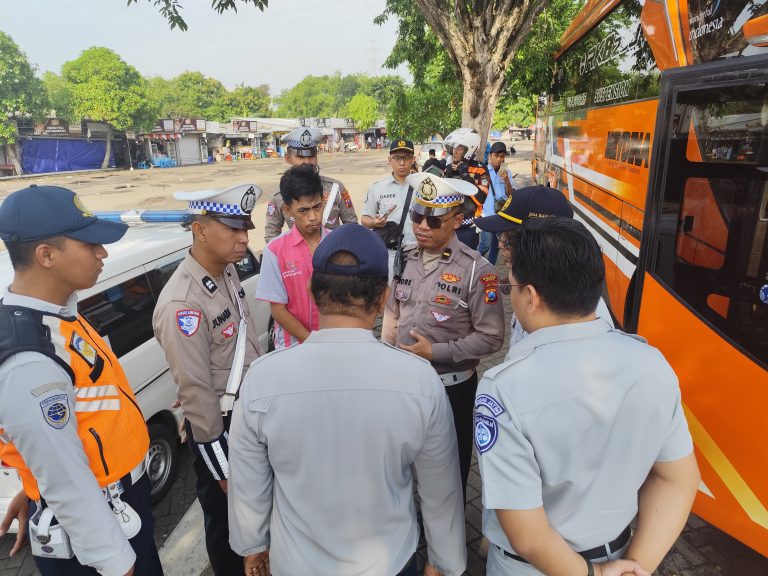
point(286, 266)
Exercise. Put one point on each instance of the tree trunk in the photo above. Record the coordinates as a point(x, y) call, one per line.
point(108, 149)
point(482, 88)
point(12, 154)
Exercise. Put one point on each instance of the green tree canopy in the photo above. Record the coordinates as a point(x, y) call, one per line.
point(59, 95)
point(107, 89)
point(21, 92)
point(363, 110)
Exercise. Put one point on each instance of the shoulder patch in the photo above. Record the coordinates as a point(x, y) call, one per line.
point(347, 199)
point(271, 208)
point(188, 321)
point(490, 403)
point(56, 410)
point(486, 432)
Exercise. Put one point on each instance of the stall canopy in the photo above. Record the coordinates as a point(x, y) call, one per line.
point(39, 155)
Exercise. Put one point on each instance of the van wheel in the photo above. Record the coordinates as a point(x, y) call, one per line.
point(162, 460)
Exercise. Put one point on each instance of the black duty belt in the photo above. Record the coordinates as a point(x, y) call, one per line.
point(595, 553)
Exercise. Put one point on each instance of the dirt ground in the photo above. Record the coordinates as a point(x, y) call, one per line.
point(153, 188)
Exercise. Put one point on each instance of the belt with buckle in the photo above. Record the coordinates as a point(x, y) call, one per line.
point(451, 378)
point(595, 553)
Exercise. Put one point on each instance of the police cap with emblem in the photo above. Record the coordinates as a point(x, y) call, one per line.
point(40, 212)
point(525, 204)
point(230, 206)
point(435, 196)
point(303, 141)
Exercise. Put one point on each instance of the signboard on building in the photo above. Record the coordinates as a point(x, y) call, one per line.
point(239, 126)
point(163, 125)
point(323, 122)
point(188, 125)
point(304, 122)
point(55, 127)
point(349, 122)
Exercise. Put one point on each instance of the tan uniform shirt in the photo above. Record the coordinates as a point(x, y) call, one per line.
point(342, 212)
point(196, 321)
point(456, 305)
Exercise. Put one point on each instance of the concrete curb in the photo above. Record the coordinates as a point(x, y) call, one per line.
point(184, 553)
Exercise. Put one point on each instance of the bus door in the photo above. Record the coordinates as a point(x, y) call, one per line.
point(702, 294)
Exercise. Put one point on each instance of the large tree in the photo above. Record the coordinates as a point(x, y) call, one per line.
point(481, 39)
point(106, 89)
point(21, 95)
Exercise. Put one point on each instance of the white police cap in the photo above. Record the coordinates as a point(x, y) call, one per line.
point(304, 140)
point(231, 206)
point(436, 196)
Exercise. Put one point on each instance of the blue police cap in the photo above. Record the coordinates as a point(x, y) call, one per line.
point(365, 245)
point(40, 212)
point(526, 204)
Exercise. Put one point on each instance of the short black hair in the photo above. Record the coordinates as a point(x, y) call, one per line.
point(22, 254)
point(561, 259)
point(432, 152)
point(301, 181)
point(346, 295)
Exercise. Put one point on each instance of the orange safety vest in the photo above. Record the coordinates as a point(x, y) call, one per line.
point(109, 421)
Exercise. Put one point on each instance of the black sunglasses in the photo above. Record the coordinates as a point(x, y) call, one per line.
point(434, 222)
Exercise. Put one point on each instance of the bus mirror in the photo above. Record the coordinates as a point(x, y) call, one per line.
point(688, 224)
point(756, 31)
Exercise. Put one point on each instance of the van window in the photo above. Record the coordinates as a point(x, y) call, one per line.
point(122, 314)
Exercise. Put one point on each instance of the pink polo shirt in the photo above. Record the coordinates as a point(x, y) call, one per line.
point(286, 268)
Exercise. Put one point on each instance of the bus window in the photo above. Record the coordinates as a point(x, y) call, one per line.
point(611, 64)
point(713, 243)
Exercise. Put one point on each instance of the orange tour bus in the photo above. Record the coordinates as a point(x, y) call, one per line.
point(656, 129)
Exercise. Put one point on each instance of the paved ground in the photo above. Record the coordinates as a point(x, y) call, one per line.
point(701, 550)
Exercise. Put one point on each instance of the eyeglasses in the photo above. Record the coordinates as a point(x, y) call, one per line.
point(401, 159)
point(434, 222)
point(506, 287)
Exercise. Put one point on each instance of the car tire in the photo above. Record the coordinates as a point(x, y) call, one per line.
point(162, 459)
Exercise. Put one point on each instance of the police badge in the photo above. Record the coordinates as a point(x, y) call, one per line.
point(428, 190)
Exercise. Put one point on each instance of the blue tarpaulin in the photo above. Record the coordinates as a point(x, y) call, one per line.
point(40, 155)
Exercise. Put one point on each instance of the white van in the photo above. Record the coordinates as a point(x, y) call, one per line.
point(120, 307)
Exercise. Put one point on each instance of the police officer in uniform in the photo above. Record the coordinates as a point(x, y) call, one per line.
point(323, 465)
point(69, 422)
point(199, 320)
point(464, 143)
point(301, 148)
point(582, 430)
point(445, 305)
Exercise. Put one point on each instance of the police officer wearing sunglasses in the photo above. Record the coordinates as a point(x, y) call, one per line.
point(445, 304)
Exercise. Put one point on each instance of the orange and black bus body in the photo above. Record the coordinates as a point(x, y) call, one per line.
point(656, 129)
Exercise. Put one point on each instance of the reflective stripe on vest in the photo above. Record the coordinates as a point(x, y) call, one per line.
point(109, 421)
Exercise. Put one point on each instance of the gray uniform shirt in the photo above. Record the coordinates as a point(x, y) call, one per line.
point(574, 422)
point(381, 196)
point(322, 463)
point(55, 455)
point(342, 212)
point(196, 321)
point(456, 305)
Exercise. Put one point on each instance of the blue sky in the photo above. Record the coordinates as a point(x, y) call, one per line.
point(289, 40)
